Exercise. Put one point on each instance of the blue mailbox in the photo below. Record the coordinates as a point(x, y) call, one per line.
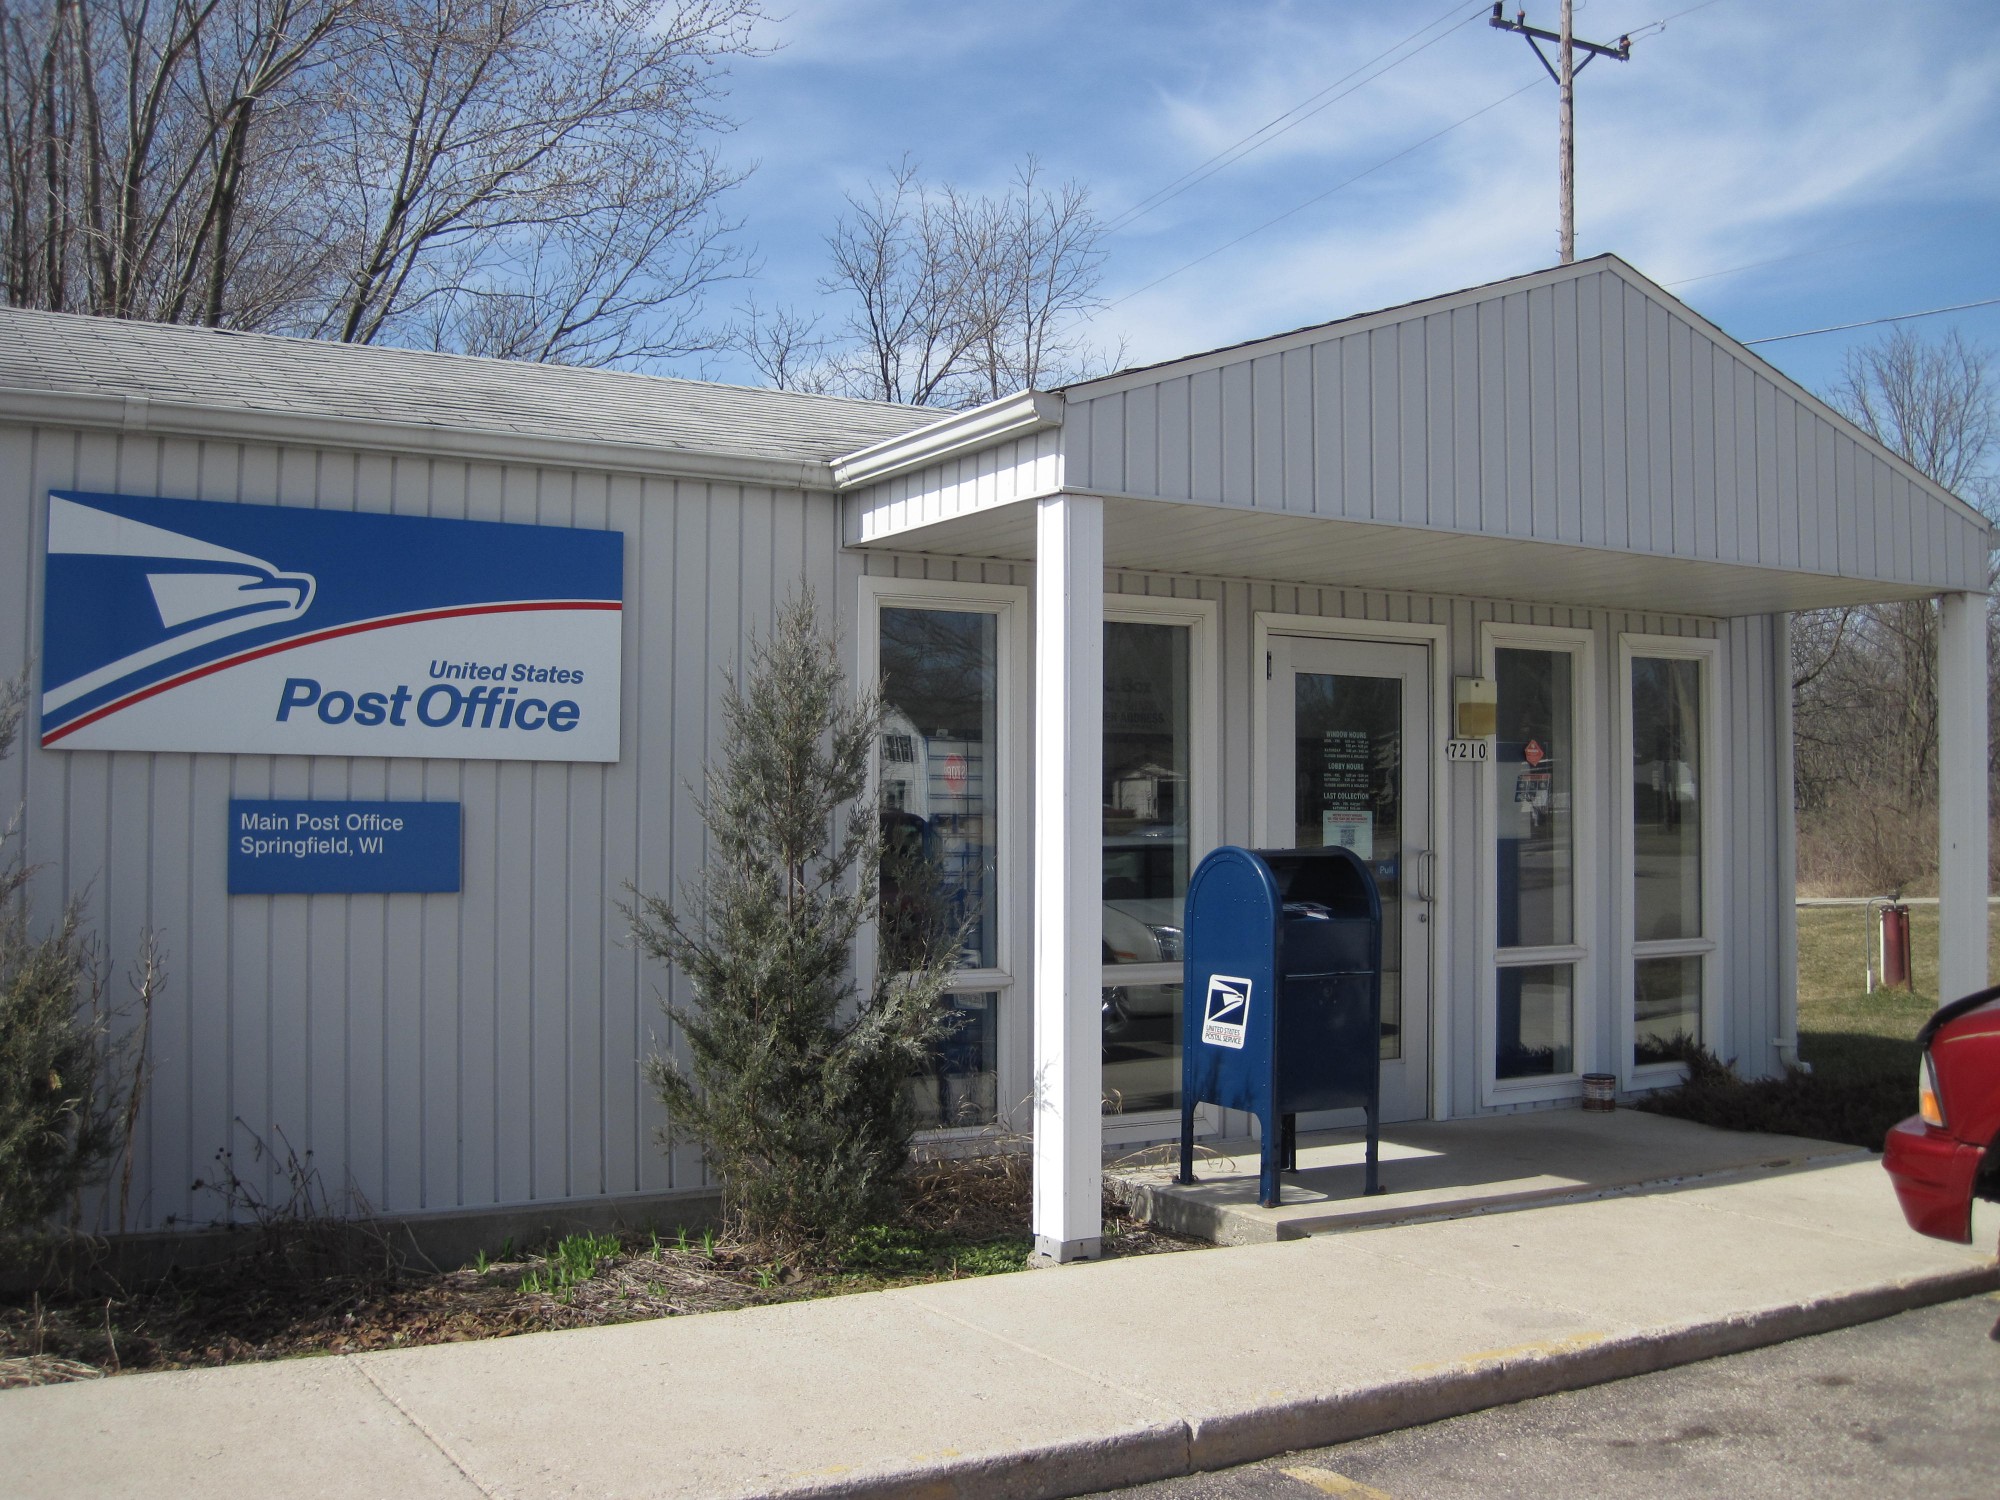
point(1282, 1010)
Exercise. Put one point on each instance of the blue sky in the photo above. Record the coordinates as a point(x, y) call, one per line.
point(1845, 150)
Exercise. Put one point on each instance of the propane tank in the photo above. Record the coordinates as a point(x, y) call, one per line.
point(1896, 948)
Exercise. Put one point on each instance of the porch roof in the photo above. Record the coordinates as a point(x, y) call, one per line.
point(1575, 436)
point(1155, 536)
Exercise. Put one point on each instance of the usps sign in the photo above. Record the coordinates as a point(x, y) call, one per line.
point(260, 629)
point(1225, 1014)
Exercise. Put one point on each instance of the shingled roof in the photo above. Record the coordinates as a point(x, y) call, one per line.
point(222, 373)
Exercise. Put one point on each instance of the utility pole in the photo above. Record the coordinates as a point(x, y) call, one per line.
point(1563, 71)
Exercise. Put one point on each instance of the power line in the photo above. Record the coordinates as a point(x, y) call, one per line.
point(1270, 131)
point(1865, 239)
point(1661, 25)
point(1217, 162)
point(1321, 197)
point(1779, 338)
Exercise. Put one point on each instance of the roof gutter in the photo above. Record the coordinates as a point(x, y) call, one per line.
point(185, 419)
point(962, 432)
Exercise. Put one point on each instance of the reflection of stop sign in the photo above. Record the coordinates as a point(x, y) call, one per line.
point(1532, 754)
point(954, 775)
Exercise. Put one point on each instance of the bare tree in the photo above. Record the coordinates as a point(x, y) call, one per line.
point(1046, 279)
point(946, 298)
point(530, 178)
point(1934, 402)
point(912, 260)
point(1864, 680)
point(534, 178)
point(786, 347)
point(137, 137)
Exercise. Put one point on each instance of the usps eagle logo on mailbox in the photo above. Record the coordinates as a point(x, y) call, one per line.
point(196, 625)
point(1226, 1011)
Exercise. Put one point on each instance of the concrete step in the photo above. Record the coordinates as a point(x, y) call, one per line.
point(1449, 1170)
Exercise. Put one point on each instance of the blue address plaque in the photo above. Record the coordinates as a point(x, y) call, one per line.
point(316, 848)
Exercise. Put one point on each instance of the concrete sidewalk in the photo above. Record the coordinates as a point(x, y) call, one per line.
point(1049, 1383)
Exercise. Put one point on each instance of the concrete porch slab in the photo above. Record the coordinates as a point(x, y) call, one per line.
point(1450, 1170)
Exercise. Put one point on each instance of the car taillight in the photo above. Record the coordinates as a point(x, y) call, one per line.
point(1928, 1104)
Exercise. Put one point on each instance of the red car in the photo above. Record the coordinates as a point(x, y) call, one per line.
point(1948, 1153)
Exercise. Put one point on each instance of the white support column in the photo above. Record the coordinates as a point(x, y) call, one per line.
point(1785, 795)
point(1962, 811)
point(1069, 882)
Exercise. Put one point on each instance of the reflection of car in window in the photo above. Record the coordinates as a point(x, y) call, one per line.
point(1143, 883)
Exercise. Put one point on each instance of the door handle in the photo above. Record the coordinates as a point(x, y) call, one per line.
point(1423, 871)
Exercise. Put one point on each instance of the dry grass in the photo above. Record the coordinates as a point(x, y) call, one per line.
point(1861, 846)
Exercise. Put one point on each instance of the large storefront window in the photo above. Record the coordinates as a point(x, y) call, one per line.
point(1666, 798)
point(1534, 762)
point(1147, 771)
point(960, 1087)
point(1534, 768)
point(1668, 785)
point(938, 769)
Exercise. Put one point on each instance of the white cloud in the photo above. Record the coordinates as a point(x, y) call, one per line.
point(1742, 132)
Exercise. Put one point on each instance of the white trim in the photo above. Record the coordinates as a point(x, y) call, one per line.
point(1204, 815)
point(1579, 954)
point(1361, 322)
point(1264, 625)
point(962, 432)
point(1009, 604)
point(1706, 650)
point(1528, 958)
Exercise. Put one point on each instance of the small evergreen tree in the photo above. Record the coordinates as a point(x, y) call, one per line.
point(59, 1101)
point(796, 1081)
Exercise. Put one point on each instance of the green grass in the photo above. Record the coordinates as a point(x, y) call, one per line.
point(1862, 1047)
point(1846, 1033)
point(891, 1250)
point(573, 1261)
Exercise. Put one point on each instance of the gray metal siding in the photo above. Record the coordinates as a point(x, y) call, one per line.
point(485, 1048)
point(1583, 411)
point(440, 1051)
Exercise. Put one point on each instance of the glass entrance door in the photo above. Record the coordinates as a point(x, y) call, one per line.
point(1349, 764)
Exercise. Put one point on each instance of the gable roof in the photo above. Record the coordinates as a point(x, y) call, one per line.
point(1575, 434)
point(269, 386)
point(1496, 292)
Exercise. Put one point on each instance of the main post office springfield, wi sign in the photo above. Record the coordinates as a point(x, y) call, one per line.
point(257, 629)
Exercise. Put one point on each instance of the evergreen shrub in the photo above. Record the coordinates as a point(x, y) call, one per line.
point(794, 1080)
point(60, 1099)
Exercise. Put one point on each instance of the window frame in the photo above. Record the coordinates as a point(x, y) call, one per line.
point(1706, 651)
point(1009, 604)
point(1580, 955)
point(1204, 827)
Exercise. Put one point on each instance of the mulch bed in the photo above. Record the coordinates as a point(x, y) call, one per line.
point(1855, 1105)
point(315, 1287)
